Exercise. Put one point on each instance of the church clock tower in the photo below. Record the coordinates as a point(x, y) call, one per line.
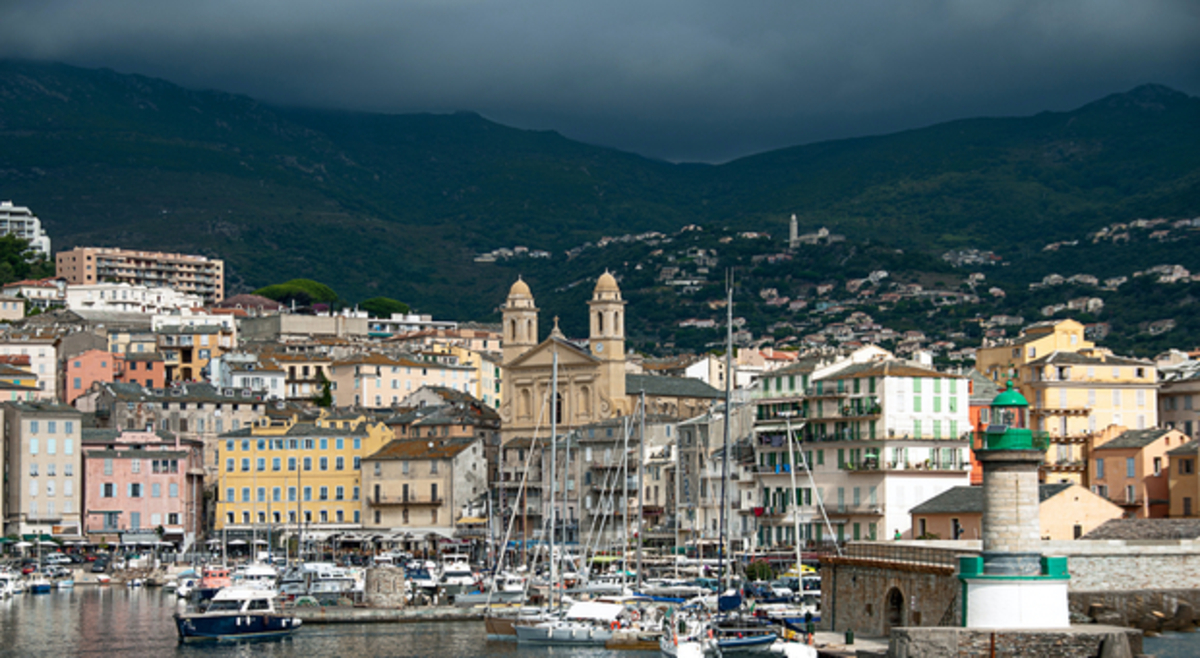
point(607, 336)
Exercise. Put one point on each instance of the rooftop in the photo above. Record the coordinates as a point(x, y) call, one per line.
point(969, 500)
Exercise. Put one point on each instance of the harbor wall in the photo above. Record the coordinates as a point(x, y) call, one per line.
point(876, 586)
point(978, 643)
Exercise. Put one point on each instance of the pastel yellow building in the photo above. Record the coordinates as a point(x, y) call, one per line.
point(1183, 482)
point(286, 471)
point(1074, 389)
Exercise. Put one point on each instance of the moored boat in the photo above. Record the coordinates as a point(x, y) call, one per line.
point(236, 613)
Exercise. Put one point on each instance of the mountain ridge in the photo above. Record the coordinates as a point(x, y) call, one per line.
point(399, 205)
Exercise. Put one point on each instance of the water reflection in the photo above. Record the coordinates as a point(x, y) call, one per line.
point(136, 623)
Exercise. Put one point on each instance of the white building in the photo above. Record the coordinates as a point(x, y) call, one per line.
point(21, 222)
point(43, 360)
point(879, 436)
point(44, 469)
point(40, 293)
point(245, 371)
point(130, 298)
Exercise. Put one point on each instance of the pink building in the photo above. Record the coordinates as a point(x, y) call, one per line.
point(136, 482)
point(82, 370)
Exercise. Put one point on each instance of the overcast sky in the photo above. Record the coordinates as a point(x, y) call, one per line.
point(702, 80)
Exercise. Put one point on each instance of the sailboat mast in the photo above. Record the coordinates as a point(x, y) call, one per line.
point(728, 421)
point(641, 466)
point(625, 498)
point(553, 467)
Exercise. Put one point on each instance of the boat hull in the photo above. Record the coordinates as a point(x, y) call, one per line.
point(199, 627)
point(576, 635)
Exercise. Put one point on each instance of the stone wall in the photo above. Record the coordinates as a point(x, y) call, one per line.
point(860, 595)
point(385, 587)
point(972, 643)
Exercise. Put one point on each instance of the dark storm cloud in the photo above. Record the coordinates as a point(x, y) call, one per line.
point(679, 79)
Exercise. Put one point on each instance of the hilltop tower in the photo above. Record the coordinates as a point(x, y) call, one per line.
point(1011, 584)
point(520, 322)
point(607, 335)
point(793, 233)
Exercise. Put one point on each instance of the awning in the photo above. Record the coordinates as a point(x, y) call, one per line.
point(472, 520)
point(421, 533)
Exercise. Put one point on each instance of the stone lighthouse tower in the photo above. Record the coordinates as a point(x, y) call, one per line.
point(1011, 584)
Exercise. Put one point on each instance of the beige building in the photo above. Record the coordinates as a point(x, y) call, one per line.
point(43, 467)
point(11, 308)
point(422, 486)
point(1179, 397)
point(189, 274)
point(376, 381)
point(1132, 470)
point(1066, 511)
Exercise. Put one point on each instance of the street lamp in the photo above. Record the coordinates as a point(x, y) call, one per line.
point(787, 419)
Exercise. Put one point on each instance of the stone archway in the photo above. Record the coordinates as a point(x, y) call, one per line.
point(894, 607)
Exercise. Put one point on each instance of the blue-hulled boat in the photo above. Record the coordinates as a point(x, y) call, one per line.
point(236, 613)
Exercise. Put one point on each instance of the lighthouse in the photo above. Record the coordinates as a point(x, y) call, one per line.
point(1011, 584)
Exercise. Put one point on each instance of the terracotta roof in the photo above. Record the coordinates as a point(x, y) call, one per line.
point(404, 449)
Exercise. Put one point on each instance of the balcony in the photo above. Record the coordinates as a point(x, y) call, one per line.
point(1066, 466)
point(877, 466)
point(407, 500)
point(813, 392)
point(1060, 411)
point(854, 510)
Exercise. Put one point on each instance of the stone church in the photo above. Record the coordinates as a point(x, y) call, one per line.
point(593, 384)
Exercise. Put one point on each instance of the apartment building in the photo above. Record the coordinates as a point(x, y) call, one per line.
point(43, 469)
point(376, 381)
point(290, 473)
point(139, 481)
point(129, 298)
point(878, 436)
point(420, 487)
point(1132, 470)
point(1075, 390)
point(21, 222)
point(197, 275)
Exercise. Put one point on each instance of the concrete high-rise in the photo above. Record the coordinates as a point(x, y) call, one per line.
point(21, 222)
point(190, 274)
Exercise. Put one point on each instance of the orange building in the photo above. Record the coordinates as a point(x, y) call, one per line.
point(1132, 470)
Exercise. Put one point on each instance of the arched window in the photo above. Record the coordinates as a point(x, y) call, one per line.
point(529, 331)
point(512, 329)
point(558, 408)
point(600, 323)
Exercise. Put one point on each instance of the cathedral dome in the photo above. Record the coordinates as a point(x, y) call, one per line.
point(606, 283)
point(519, 289)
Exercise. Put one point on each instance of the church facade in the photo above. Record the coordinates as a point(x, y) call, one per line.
point(591, 382)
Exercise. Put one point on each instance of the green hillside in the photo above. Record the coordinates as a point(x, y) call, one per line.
point(398, 206)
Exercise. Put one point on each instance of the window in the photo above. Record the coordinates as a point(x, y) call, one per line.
point(340, 463)
point(135, 490)
point(173, 490)
point(307, 494)
point(291, 463)
point(433, 466)
point(357, 462)
point(245, 494)
point(108, 490)
point(229, 495)
point(324, 493)
point(1186, 467)
point(229, 464)
point(339, 493)
point(1129, 467)
point(262, 495)
point(155, 490)
point(262, 464)
point(276, 463)
point(324, 463)
point(291, 495)
point(1100, 468)
point(1130, 493)
point(308, 463)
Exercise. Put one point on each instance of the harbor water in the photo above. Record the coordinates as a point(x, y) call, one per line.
point(136, 623)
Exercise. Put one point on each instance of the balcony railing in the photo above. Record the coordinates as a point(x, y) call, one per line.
point(875, 466)
point(406, 500)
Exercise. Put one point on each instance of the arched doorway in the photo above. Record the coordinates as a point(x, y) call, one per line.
point(895, 610)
